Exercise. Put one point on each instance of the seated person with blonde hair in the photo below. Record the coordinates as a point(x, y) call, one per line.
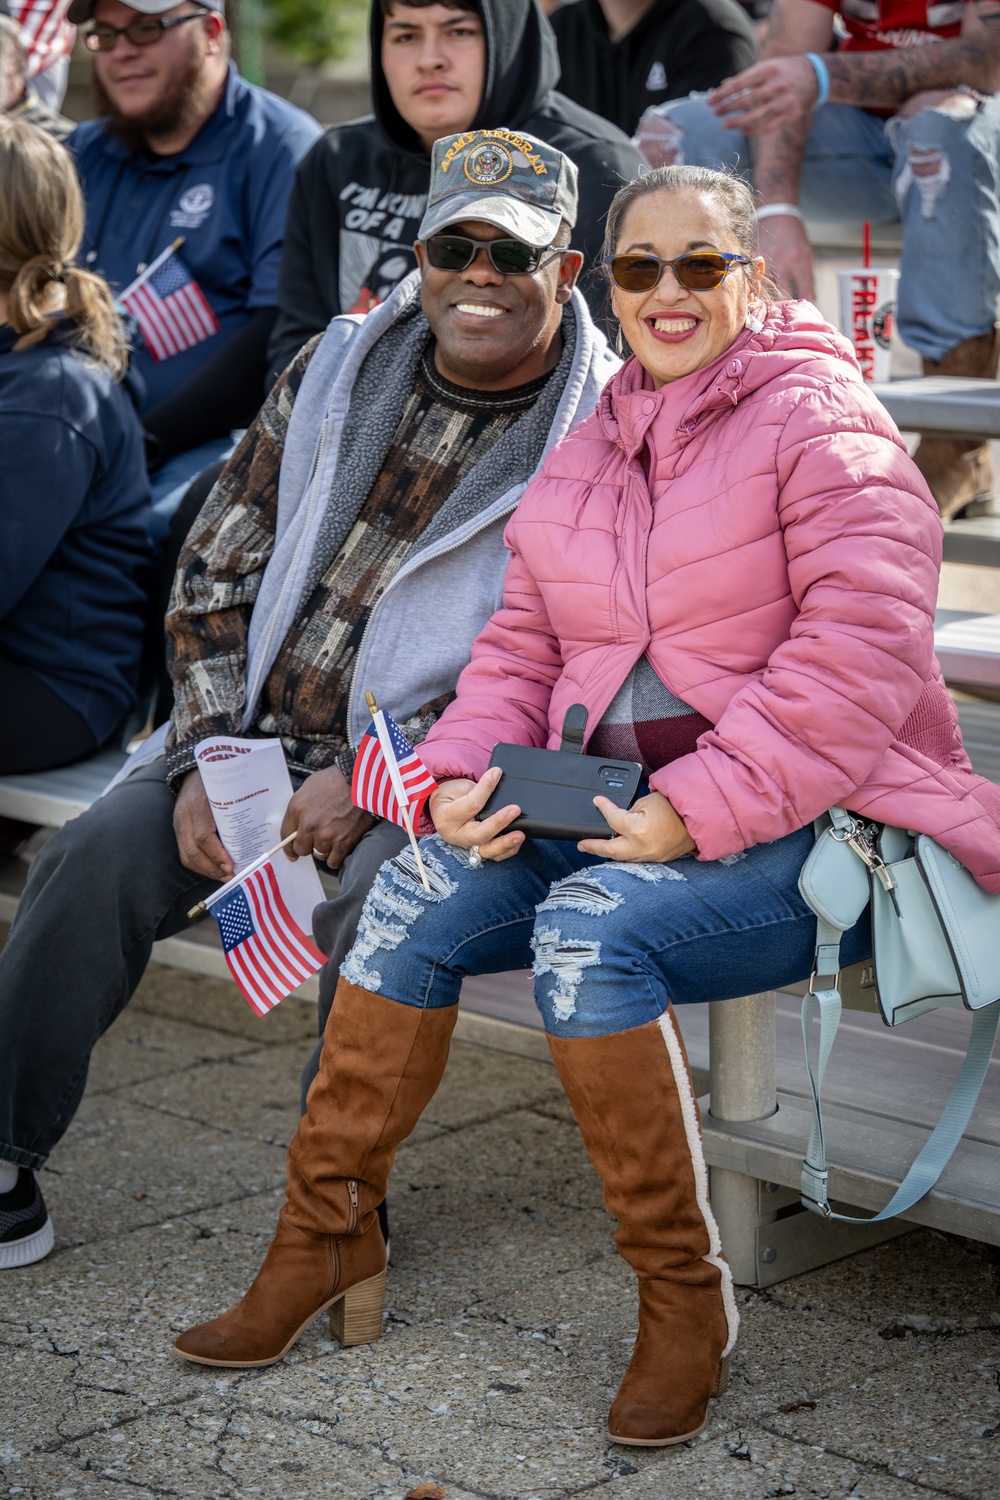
point(74, 502)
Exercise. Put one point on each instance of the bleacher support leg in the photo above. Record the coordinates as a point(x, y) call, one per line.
point(742, 1087)
point(766, 1234)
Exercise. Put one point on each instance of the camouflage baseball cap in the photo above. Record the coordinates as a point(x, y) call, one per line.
point(510, 180)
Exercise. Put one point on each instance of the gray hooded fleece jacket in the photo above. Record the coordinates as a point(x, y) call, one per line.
point(420, 632)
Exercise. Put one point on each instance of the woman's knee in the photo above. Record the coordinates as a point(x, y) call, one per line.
point(399, 930)
point(590, 970)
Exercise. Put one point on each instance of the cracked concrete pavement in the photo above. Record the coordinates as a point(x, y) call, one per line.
point(509, 1323)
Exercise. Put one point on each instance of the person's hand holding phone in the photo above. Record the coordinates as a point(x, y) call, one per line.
point(453, 809)
point(649, 832)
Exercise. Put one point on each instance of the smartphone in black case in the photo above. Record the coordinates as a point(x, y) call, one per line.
point(555, 789)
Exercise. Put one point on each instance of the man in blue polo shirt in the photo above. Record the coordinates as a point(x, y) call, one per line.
point(186, 150)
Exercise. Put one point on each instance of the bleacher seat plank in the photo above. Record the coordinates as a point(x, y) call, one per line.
point(981, 736)
point(943, 404)
point(968, 647)
point(844, 238)
point(51, 798)
point(868, 1157)
point(873, 1066)
point(976, 542)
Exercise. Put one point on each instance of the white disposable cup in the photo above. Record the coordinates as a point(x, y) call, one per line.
point(868, 316)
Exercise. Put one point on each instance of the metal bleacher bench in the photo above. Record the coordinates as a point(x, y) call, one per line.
point(884, 1089)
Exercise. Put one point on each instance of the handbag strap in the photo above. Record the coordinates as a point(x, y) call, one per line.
point(945, 1136)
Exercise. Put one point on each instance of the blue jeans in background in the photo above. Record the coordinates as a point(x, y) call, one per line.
point(858, 166)
point(610, 944)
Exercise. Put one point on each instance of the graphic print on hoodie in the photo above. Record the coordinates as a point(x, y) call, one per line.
point(359, 194)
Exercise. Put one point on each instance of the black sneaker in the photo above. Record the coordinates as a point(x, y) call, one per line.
point(25, 1226)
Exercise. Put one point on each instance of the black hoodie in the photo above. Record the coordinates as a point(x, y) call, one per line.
point(359, 194)
point(676, 48)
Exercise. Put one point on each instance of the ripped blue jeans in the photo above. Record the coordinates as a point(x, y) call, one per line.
point(610, 944)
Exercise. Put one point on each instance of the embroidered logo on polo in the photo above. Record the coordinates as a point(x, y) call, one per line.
point(657, 79)
point(193, 206)
point(488, 164)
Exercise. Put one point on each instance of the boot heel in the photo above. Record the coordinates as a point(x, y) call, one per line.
point(357, 1317)
point(721, 1383)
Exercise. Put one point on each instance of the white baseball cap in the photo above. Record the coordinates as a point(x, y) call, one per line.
point(82, 10)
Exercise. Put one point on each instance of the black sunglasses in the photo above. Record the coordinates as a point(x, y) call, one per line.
point(144, 33)
point(698, 272)
point(456, 252)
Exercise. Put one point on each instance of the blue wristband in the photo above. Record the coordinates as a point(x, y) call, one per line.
point(822, 78)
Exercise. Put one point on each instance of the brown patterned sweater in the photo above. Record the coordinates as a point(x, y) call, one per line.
point(443, 431)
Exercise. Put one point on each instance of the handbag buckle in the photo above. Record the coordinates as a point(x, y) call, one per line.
point(815, 975)
point(861, 841)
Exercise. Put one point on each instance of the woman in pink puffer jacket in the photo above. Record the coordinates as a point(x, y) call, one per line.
point(733, 565)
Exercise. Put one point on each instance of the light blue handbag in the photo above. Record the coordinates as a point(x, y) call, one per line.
point(935, 942)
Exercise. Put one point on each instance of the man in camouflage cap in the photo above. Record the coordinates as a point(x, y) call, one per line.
point(418, 427)
point(492, 248)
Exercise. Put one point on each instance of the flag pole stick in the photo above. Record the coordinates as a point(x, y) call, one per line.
point(233, 882)
point(397, 785)
point(415, 847)
point(157, 263)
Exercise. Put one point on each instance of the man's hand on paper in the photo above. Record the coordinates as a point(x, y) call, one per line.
point(324, 819)
point(198, 843)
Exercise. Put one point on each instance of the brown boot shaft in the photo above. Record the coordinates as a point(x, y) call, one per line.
point(632, 1097)
point(638, 1129)
point(381, 1065)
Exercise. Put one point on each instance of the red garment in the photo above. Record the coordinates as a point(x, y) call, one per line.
point(881, 25)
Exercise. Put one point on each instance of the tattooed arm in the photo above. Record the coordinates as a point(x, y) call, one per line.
point(782, 88)
point(972, 59)
point(772, 103)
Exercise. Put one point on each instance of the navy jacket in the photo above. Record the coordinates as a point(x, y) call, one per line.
point(74, 506)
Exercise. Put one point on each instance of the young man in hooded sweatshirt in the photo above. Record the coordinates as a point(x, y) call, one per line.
point(438, 67)
point(419, 426)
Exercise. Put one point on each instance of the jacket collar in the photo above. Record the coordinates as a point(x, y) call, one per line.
point(793, 334)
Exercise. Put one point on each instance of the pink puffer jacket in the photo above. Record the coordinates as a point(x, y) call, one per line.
point(758, 530)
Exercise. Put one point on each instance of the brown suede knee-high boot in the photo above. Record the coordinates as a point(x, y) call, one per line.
point(382, 1062)
point(959, 471)
point(632, 1097)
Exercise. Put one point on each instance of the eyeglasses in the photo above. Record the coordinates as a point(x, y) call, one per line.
point(456, 252)
point(144, 33)
point(698, 272)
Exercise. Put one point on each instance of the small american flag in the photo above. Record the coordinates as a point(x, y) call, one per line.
point(45, 32)
point(170, 307)
point(268, 954)
point(389, 771)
